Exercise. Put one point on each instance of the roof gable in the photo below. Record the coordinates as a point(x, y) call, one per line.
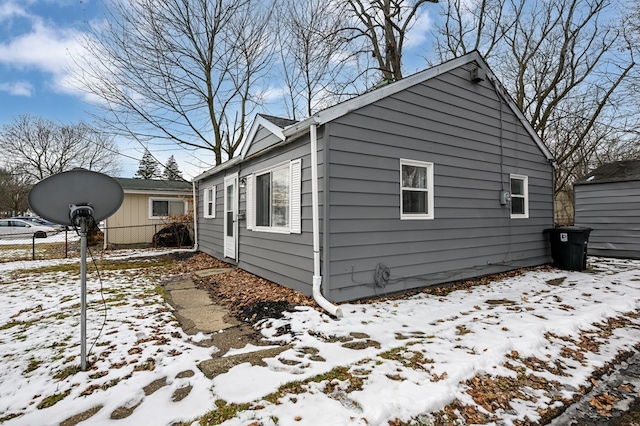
point(368, 98)
point(619, 171)
point(269, 122)
point(296, 129)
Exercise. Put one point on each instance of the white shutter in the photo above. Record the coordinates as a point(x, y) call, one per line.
point(296, 178)
point(210, 198)
point(249, 197)
point(214, 201)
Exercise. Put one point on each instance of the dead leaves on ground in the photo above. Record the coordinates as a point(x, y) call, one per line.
point(496, 393)
point(604, 403)
point(238, 290)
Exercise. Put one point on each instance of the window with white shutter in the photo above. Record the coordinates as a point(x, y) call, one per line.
point(273, 199)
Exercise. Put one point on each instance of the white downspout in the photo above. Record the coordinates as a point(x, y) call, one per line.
point(317, 278)
point(195, 217)
point(105, 238)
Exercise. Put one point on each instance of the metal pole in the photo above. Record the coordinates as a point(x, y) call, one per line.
point(83, 294)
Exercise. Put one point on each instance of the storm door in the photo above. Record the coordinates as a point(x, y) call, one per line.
point(231, 216)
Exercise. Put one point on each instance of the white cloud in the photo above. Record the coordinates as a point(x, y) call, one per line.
point(272, 94)
point(11, 9)
point(17, 88)
point(419, 31)
point(43, 48)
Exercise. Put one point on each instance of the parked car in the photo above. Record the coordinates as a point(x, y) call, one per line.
point(41, 221)
point(18, 228)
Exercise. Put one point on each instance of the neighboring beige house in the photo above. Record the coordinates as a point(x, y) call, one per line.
point(146, 208)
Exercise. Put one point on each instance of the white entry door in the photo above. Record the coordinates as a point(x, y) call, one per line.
point(231, 216)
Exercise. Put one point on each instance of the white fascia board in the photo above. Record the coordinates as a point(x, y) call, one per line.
point(218, 168)
point(259, 121)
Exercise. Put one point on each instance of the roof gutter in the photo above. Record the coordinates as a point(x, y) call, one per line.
point(317, 278)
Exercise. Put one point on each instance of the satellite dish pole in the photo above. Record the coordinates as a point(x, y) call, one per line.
point(79, 198)
point(82, 219)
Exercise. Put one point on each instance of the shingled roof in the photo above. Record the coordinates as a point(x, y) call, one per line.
point(279, 121)
point(153, 185)
point(619, 171)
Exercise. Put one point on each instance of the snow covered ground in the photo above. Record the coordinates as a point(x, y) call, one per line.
point(507, 351)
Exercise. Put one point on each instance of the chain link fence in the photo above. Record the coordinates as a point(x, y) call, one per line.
point(66, 243)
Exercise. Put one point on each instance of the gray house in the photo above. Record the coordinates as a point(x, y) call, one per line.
point(608, 201)
point(435, 178)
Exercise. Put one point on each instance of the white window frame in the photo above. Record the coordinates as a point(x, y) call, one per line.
point(209, 200)
point(168, 199)
point(294, 225)
point(429, 190)
point(525, 196)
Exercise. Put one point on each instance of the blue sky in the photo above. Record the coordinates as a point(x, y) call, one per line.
point(37, 38)
point(36, 41)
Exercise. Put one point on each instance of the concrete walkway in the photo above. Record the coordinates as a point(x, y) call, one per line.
point(197, 313)
point(193, 307)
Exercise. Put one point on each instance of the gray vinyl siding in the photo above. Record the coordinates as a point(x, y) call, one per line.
point(612, 211)
point(286, 259)
point(263, 139)
point(211, 230)
point(455, 125)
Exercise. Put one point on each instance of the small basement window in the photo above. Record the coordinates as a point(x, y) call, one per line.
point(162, 207)
point(416, 189)
point(519, 197)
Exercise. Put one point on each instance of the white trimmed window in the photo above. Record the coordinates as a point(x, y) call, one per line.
point(210, 202)
point(273, 199)
point(519, 197)
point(160, 208)
point(416, 189)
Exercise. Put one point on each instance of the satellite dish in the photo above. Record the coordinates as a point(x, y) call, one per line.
point(53, 197)
point(79, 198)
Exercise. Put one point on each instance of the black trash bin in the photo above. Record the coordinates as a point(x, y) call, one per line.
point(569, 247)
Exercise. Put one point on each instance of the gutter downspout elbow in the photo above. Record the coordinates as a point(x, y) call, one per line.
point(317, 278)
point(320, 299)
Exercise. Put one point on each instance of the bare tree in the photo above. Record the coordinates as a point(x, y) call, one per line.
point(179, 71)
point(470, 25)
point(316, 59)
point(14, 190)
point(36, 148)
point(564, 64)
point(384, 25)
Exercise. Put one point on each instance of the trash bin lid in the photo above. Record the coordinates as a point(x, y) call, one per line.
point(569, 229)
